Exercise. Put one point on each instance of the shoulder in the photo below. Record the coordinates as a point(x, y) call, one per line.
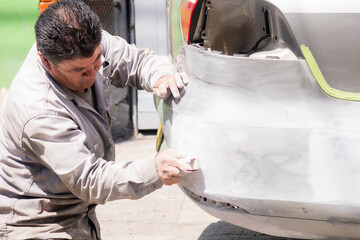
point(29, 96)
point(111, 44)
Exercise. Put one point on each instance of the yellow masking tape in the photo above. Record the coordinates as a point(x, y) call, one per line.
point(321, 80)
point(159, 138)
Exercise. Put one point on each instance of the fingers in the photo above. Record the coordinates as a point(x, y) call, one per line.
point(156, 92)
point(184, 78)
point(161, 91)
point(178, 80)
point(173, 88)
point(172, 176)
point(180, 161)
point(170, 85)
point(171, 180)
point(169, 166)
point(174, 153)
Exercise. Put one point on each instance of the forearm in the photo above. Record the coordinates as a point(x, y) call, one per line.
point(57, 144)
point(106, 181)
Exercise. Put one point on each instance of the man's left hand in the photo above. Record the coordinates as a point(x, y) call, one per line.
point(170, 85)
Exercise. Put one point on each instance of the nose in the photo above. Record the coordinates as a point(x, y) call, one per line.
point(91, 73)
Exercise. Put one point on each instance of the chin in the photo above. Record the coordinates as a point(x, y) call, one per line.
point(88, 84)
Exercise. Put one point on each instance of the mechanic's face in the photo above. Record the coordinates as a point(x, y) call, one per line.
point(78, 74)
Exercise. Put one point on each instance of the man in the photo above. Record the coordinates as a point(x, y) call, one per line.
point(57, 153)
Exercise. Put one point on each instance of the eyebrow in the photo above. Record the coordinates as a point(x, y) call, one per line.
point(82, 68)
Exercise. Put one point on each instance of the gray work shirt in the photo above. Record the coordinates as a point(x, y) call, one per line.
point(57, 153)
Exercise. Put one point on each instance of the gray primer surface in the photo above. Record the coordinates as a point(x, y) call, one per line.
point(270, 141)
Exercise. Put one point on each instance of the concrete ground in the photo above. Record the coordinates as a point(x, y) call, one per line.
point(166, 214)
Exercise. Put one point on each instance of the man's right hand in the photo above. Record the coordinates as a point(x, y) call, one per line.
point(169, 165)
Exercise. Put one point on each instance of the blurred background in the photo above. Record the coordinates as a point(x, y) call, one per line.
point(141, 22)
point(17, 20)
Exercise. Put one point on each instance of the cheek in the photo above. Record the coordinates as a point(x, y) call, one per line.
point(73, 78)
point(98, 65)
point(64, 76)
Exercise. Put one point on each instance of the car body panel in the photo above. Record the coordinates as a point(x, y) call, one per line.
point(276, 153)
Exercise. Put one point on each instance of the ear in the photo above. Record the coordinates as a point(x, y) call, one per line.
point(46, 62)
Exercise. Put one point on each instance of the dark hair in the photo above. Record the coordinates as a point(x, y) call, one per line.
point(67, 29)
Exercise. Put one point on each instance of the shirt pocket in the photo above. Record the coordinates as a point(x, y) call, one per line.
point(95, 144)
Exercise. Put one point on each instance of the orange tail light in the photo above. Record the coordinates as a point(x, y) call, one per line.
point(43, 4)
point(186, 12)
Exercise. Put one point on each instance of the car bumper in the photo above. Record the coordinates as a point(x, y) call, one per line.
point(276, 154)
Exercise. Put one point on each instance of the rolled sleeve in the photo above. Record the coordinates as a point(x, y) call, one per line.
point(58, 144)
